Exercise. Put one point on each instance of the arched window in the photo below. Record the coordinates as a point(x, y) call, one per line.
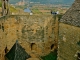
point(33, 46)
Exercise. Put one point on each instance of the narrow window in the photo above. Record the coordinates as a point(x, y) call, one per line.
point(52, 46)
point(3, 28)
point(0, 26)
point(6, 50)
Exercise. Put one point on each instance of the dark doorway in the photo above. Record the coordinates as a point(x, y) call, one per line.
point(52, 46)
point(0, 26)
point(6, 50)
point(3, 28)
point(78, 58)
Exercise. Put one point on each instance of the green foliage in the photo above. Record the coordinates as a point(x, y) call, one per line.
point(21, 7)
point(0, 4)
point(78, 43)
point(51, 56)
point(12, 9)
point(60, 16)
point(36, 11)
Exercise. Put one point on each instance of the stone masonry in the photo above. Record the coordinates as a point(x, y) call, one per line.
point(69, 34)
point(34, 33)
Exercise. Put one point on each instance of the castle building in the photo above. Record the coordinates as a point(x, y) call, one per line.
point(39, 35)
point(69, 34)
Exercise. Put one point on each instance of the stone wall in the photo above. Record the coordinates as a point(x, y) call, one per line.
point(8, 33)
point(34, 33)
point(69, 42)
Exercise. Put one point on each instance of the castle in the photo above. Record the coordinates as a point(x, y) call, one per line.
point(69, 34)
point(39, 35)
point(34, 33)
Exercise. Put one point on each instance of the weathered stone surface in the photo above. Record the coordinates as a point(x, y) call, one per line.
point(69, 37)
point(72, 16)
point(69, 34)
point(34, 33)
point(33, 59)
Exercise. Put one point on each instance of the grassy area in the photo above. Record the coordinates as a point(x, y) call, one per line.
point(36, 11)
point(12, 9)
point(20, 7)
point(51, 56)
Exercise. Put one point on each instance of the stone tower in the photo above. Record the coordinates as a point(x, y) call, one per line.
point(69, 34)
point(5, 7)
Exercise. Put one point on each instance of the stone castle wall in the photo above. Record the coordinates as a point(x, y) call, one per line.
point(34, 33)
point(69, 42)
point(69, 34)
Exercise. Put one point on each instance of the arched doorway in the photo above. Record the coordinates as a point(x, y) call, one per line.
point(33, 46)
